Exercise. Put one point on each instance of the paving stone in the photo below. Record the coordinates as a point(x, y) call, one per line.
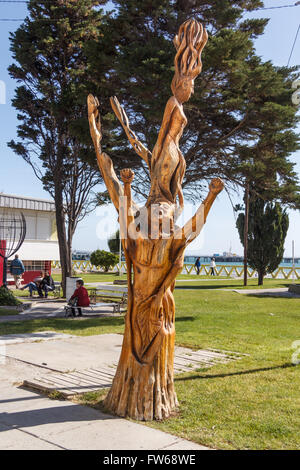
point(15, 439)
point(101, 353)
point(32, 337)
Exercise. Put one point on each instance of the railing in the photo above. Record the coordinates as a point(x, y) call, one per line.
point(229, 271)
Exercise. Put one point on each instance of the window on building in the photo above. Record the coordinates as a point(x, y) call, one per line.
point(30, 227)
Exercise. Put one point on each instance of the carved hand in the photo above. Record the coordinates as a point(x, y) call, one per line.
point(216, 186)
point(127, 175)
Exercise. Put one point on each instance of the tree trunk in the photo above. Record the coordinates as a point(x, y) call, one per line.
point(260, 278)
point(62, 238)
point(71, 231)
point(246, 226)
point(143, 389)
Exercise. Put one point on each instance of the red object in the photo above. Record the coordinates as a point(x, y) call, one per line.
point(29, 276)
point(83, 297)
point(2, 247)
point(48, 266)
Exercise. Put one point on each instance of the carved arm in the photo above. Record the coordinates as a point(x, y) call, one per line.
point(126, 206)
point(140, 149)
point(112, 183)
point(163, 130)
point(193, 227)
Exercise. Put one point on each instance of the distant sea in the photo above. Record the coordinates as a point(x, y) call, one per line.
point(282, 265)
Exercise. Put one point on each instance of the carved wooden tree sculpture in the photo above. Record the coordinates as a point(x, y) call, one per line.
point(143, 387)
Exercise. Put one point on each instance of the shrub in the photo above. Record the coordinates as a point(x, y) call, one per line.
point(7, 297)
point(104, 259)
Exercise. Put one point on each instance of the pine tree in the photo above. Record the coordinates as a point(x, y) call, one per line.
point(234, 98)
point(51, 67)
point(268, 226)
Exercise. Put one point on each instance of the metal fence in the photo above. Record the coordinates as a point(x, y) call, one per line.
point(228, 271)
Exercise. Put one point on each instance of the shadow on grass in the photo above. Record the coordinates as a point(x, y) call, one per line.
point(274, 296)
point(203, 287)
point(229, 286)
point(59, 324)
point(185, 319)
point(230, 374)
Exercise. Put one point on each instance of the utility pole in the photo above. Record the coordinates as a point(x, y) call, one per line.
point(120, 253)
point(246, 227)
point(293, 256)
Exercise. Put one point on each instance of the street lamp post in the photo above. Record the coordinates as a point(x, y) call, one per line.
point(12, 235)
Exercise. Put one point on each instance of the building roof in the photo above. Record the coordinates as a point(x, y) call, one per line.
point(12, 201)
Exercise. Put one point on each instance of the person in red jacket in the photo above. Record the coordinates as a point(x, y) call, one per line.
point(82, 296)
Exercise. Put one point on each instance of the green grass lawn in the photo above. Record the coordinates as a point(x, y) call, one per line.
point(82, 327)
point(216, 281)
point(94, 277)
point(193, 282)
point(252, 403)
point(110, 277)
point(4, 312)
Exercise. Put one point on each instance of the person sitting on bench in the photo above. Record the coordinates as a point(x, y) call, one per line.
point(47, 284)
point(82, 296)
point(35, 285)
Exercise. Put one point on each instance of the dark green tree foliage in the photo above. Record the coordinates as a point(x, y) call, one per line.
point(51, 67)
point(114, 242)
point(268, 226)
point(7, 297)
point(236, 95)
point(104, 259)
point(265, 162)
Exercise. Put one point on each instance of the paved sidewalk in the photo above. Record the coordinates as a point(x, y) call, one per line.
point(29, 420)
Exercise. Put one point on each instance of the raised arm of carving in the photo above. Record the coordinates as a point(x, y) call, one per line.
point(164, 129)
point(193, 227)
point(140, 149)
point(112, 183)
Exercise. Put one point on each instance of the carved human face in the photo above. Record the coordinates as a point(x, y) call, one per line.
point(162, 219)
point(185, 90)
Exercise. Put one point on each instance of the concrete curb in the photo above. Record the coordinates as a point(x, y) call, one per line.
point(19, 308)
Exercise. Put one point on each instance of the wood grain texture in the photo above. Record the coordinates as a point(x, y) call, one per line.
point(143, 387)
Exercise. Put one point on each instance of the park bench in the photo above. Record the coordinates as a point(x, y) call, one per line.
point(56, 292)
point(113, 295)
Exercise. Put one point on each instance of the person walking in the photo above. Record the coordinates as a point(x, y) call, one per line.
point(82, 296)
point(212, 267)
point(17, 269)
point(198, 265)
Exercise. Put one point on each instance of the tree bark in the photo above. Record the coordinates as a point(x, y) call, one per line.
point(62, 237)
point(246, 226)
point(144, 390)
point(260, 278)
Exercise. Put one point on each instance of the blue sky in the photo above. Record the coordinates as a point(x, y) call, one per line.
point(16, 177)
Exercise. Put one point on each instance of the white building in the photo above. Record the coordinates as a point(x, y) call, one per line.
point(41, 245)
